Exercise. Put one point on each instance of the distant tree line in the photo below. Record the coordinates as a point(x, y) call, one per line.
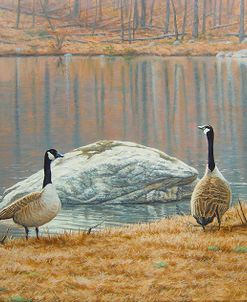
point(169, 17)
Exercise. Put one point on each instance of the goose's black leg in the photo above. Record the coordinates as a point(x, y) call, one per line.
point(218, 217)
point(37, 232)
point(27, 231)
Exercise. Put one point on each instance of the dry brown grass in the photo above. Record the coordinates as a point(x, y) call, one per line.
point(169, 260)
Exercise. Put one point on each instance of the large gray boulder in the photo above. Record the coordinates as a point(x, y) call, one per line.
point(113, 171)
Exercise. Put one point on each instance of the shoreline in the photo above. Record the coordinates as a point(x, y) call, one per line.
point(160, 49)
point(97, 55)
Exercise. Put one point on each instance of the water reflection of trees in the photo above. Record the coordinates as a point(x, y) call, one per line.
point(144, 103)
point(77, 129)
point(17, 111)
point(34, 104)
point(47, 108)
point(157, 102)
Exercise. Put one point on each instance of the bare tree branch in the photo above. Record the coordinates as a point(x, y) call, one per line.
point(46, 15)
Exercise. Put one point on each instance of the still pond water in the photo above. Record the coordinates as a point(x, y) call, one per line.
point(72, 101)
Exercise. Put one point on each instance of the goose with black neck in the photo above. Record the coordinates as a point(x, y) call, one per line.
point(37, 208)
point(212, 195)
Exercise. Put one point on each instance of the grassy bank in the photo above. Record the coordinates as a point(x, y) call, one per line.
point(169, 260)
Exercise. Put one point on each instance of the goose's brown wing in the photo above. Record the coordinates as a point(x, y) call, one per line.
point(10, 210)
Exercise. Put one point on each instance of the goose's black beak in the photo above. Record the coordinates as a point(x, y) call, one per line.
point(59, 155)
point(201, 127)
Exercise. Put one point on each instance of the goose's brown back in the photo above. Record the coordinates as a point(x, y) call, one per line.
point(210, 193)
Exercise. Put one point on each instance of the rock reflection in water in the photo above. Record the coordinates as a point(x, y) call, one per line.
point(83, 217)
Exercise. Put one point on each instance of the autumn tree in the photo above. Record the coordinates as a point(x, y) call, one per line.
point(215, 12)
point(136, 15)
point(100, 10)
point(143, 13)
point(204, 15)
point(33, 13)
point(151, 13)
point(220, 12)
point(184, 18)
point(175, 20)
point(195, 20)
point(18, 14)
point(167, 18)
point(76, 9)
point(122, 20)
point(129, 21)
point(241, 26)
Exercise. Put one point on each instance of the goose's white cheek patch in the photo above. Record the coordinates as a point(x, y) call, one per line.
point(206, 130)
point(51, 156)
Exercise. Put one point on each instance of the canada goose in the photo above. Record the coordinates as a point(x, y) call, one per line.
point(212, 194)
point(37, 208)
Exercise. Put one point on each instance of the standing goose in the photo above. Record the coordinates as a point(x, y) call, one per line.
point(37, 208)
point(212, 194)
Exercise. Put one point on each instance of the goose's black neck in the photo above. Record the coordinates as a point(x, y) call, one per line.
point(47, 171)
point(211, 163)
